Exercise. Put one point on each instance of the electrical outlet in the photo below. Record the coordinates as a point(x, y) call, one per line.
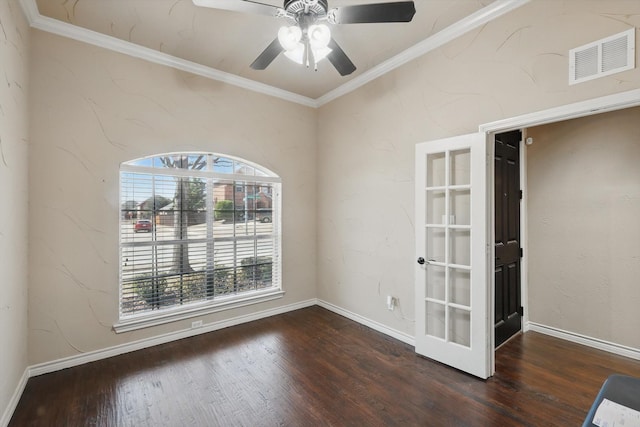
point(196, 324)
point(391, 303)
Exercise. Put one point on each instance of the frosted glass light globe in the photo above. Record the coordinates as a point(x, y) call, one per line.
point(319, 36)
point(289, 37)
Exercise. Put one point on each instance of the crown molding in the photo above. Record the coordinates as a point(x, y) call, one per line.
point(475, 20)
point(54, 26)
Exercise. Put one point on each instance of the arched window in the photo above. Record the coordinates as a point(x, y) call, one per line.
point(198, 232)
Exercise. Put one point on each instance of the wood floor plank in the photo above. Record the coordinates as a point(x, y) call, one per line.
point(312, 367)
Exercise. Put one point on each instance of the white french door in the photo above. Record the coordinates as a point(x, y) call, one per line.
point(452, 292)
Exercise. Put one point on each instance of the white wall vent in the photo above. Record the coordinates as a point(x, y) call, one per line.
point(603, 57)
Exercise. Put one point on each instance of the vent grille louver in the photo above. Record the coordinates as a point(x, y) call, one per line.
point(614, 54)
point(603, 57)
point(586, 62)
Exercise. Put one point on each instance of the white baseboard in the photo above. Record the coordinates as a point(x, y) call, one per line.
point(401, 336)
point(13, 403)
point(92, 356)
point(610, 347)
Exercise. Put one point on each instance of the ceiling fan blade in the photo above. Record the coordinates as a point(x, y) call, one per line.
point(401, 11)
point(267, 56)
point(246, 6)
point(340, 60)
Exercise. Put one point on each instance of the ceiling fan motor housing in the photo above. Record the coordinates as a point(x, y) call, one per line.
point(315, 7)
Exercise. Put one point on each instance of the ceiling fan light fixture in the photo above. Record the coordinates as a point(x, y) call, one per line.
point(289, 37)
point(321, 53)
point(296, 54)
point(319, 36)
point(298, 46)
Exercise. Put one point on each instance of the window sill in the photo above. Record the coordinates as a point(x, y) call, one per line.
point(148, 320)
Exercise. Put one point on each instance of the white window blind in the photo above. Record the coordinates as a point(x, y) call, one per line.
point(196, 228)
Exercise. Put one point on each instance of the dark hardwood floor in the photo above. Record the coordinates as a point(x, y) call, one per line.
point(312, 367)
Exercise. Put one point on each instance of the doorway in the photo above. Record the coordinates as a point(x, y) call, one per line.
point(440, 314)
point(590, 107)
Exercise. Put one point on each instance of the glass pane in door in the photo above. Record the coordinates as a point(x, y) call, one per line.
point(460, 207)
point(460, 247)
point(460, 286)
point(436, 244)
point(436, 277)
point(436, 207)
point(460, 326)
point(436, 169)
point(435, 319)
point(461, 167)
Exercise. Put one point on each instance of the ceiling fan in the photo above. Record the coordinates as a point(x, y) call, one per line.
point(307, 40)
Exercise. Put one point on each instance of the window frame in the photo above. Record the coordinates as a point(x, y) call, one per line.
point(208, 305)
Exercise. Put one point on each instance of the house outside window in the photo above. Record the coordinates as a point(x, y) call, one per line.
point(199, 232)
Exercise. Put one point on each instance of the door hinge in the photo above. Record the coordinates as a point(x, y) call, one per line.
point(520, 194)
point(521, 253)
point(521, 311)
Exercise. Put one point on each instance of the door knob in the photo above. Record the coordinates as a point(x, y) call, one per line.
point(420, 260)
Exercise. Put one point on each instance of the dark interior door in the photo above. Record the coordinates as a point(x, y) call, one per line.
point(508, 313)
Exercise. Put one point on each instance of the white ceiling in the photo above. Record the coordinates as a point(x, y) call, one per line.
point(227, 42)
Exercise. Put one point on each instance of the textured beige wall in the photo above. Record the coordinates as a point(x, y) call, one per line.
point(93, 109)
point(14, 53)
point(514, 65)
point(584, 228)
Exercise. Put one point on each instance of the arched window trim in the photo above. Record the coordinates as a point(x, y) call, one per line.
point(264, 179)
point(268, 175)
